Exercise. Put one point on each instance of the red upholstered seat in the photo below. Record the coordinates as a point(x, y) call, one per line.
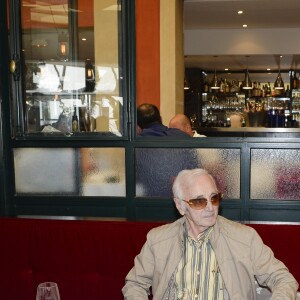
point(90, 259)
point(87, 259)
point(284, 240)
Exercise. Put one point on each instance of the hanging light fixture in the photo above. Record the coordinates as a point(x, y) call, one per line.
point(63, 45)
point(186, 84)
point(215, 85)
point(279, 84)
point(247, 84)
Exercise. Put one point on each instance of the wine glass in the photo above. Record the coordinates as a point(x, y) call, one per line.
point(47, 291)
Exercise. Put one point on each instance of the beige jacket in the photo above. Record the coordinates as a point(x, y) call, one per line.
point(240, 252)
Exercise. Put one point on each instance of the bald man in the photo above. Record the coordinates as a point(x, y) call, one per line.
point(182, 122)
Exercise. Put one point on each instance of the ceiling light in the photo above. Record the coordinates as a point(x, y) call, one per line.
point(186, 84)
point(83, 39)
point(247, 84)
point(240, 12)
point(268, 69)
point(215, 85)
point(279, 84)
point(226, 69)
point(245, 25)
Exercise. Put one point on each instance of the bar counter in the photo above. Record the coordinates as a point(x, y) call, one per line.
point(249, 132)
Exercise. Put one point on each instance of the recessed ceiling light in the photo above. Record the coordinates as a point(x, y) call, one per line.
point(245, 25)
point(226, 69)
point(268, 69)
point(240, 12)
point(83, 39)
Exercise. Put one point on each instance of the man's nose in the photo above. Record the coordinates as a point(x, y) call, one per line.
point(209, 205)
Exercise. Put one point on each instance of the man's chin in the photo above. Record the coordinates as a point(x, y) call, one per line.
point(210, 220)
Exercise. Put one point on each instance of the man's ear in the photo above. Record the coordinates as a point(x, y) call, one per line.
point(178, 204)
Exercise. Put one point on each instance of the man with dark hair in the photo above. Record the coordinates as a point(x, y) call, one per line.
point(150, 124)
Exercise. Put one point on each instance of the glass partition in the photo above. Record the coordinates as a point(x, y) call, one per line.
point(81, 172)
point(275, 174)
point(156, 169)
point(72, 75)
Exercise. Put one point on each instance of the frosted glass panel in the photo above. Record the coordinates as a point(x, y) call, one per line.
point(83, 172)
point(45, 171)
point(275, 174)
point(103, 172)
point(156, 169)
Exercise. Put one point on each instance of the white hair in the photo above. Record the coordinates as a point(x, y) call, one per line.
point(185, 179)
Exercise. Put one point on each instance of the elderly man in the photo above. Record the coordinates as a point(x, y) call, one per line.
point(203, 255)
point(183, 123)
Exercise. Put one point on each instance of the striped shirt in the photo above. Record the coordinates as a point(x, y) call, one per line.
point(198, 275)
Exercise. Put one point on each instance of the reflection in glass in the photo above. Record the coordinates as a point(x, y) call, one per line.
point(156, 169)
point(66, 62)
point(83, 172)
point(275, 174)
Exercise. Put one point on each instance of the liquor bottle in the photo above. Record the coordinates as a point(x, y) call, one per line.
point(205, 87)
point(255, 90)
point(74, 121)
point(259, 90)
point(234, 87)
point(287, 91)
point(295, 81)
point(268, 90)
point(227, 89)
point(243, 122)
point(222, 86)
point(228, 122)
point(264, 91)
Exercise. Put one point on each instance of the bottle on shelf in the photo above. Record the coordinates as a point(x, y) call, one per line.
point(243, 122)
point(255, 91)
point(259, 90)
point(268, 90)
point(222, 86)
point(206, 87)
point(287, 91)
point(226, 86)
point(74, 121)
point(295, 81)
point(234, 88)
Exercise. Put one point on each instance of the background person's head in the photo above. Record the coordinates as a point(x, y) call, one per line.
point(181, 122)
point(147, 114)
point(196, 184)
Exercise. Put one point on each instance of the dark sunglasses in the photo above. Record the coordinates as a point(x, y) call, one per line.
point(202, 202)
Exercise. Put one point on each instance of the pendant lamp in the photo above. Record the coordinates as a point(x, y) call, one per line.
point(279, 84)
point(215, 85)
point(247, 84)
point(186, 84)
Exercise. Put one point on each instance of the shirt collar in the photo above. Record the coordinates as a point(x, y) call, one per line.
point(203, 236)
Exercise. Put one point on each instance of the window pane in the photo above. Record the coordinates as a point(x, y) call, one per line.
point(83, 172)
point(156, 169)
point(103, 172)
point(72, 74)
point(275, 174)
